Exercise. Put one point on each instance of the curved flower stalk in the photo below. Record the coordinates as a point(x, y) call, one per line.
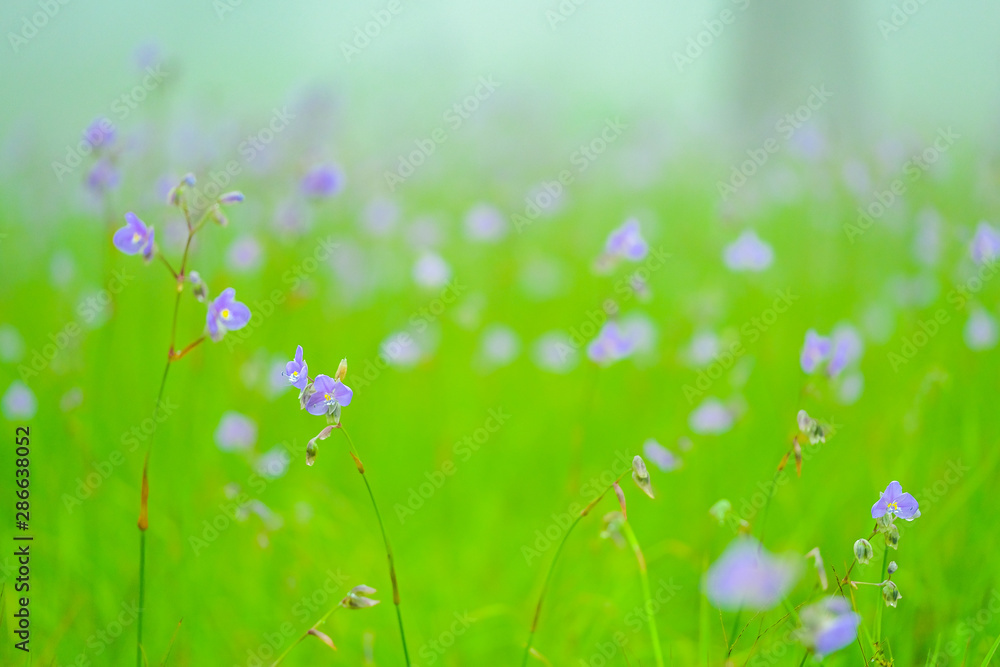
point(326, 396)
point(356, 598)
point(225, 313)
point(641, 477)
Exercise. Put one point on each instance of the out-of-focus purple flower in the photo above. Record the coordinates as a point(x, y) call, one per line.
point(103, 176)
point(498, 346)
point(748, 577)
point(985, 244)
point(19, 402)
point(748, 253)
point(327, 395)
point(712, 417)
point(815, 351)
point(235, 432)
point(896, 503)
point(847, 346)
point(297, 371)
point(431, 271)
point(244, 254)
point(274, 462)
point(610, 345)
point(234, 197)
point(627, 242)
point(225, 313)
point(554, 352)
point(828, 626)
point(380, 216)
point(135, 237)
point(980, 331)
point(101, 133)
point(323, 180)
point(485, 223)
point(11, 344)
point(660, 455)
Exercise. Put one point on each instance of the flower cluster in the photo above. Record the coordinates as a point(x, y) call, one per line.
point(319, 396)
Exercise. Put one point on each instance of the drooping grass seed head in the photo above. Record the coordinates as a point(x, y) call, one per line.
point(621, 499)
point(812, 428)
point(357, 598)
point(891, 594)
point(613, 522)
point(640, 476)
point(863, 551)
point(820, 568)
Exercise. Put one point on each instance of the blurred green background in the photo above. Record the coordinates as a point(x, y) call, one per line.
point(343, 274)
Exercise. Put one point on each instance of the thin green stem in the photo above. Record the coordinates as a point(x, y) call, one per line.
point(305, 634)
point(647, 596)
point(142, 597)
point(879, 605)
point(552, 567)
point(805, 657)
point(385, 539)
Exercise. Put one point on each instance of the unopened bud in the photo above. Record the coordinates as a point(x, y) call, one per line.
point(189, 179)
point(198, 286)
point(621, 499)
point(892, 536)
point(892, 567)
point(890, 593)
point(640, 476)
point(356, 598)
point(341, 371)
point(234, 197)
point(219, 216)
point(863, 551)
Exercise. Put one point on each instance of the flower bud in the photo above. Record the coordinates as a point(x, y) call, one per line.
point(220, 217)
point(312, 449)
point(173, 197)
point(640, 476)
point(892, 567)
point(234, 197)
point(198, 286)
point(189, 179)
point(621, 499)
point(356, 598)
point(720, 510)
point(863, 551)
point(892, 536)
point(341, 371)
point(890, 593)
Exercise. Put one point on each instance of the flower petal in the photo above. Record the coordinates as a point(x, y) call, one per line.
point(237, 317)
point(342, 393)
point(893, 491)
point(316, 405)
point(908, 507)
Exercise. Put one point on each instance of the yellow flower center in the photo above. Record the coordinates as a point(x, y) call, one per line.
point(328, 397)
point(135, 237)
point(225, 312)
point(893, 507)
point(295, 375)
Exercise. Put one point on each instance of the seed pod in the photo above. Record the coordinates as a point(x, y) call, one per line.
point(863, 551)
point(890, 593)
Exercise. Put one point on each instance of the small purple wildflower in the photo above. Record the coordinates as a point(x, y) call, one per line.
point(328, 395)
point(234, 197)
point(664, 459)
point(815, 351)
point(985, 244)
point(847, 347)
point(235, 432)
point(711, 417)
point(627, 242)
point(748, 577)
point(485, 223)
point(103, 176)
point(324, 180)
point(981, 331)
point(748, 253)
point(297, 371)
point(431, 270)
point(101, 133)
point(135, 237)
point(896, 503)
point(225, 313)
point(828, 626)
point(19, 402)
point(610, 345)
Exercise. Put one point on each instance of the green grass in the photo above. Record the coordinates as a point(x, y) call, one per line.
point(461, 554)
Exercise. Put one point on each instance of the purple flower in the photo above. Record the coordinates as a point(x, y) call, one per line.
point(815, 351)
point(748, 577)
point(101, 133)
point(711, 417)
point(297, 371)
point(327, 395)
point(748, 253)
point(896, 503)
point(485, 223)
point(19, 402)
point(829, 625)
point(660, 455)
point(324, 180)
point(234, 197)
point(985, 244)
point(135, 237)
point(103, 176)
point(610, 345)
point(847, 347)
point(235, 431)
point(225, 313)
point(627, 242)
point(980, 331)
